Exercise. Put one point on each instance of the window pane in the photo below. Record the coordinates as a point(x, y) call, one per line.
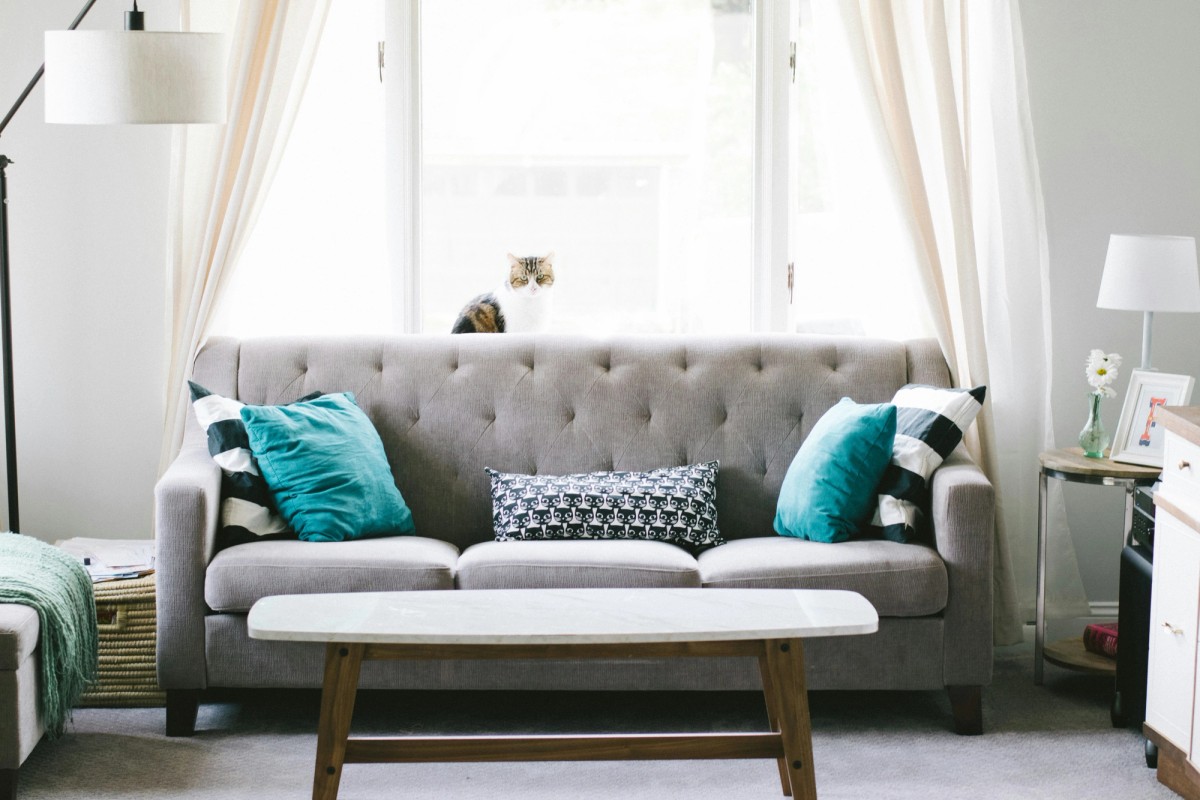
point(315, 261)
point(618, 134)
point(855, 259)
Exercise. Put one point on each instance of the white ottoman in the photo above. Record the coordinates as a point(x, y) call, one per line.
point(20, 724)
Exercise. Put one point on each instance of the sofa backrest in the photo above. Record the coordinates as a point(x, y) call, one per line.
point(448, 406)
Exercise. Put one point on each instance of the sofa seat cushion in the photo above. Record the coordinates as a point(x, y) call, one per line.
point(238, 576)
point(18, 634)
point(576, 564)
point(900, 580)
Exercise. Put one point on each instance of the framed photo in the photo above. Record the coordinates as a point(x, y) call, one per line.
point(1139, 438)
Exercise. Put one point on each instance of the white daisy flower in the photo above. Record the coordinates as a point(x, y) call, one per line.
point(1101, 372)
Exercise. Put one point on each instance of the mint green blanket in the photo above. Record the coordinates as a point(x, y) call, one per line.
point(33, 573)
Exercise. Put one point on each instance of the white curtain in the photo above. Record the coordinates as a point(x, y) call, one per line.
point(951, 112)
point(220, 174)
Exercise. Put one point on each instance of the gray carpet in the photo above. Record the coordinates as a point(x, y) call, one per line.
point(1053, 741)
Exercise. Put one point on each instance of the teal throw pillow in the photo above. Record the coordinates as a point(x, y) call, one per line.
point(828, 492)
point(326, 468)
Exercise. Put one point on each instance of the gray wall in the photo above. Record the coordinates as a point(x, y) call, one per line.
point(1116, 118)
point(87, 216)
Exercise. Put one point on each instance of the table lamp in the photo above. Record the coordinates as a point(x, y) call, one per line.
point(106, 78)
point(1150, 273)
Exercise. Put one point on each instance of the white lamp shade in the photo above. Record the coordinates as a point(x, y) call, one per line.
point(114, 77)
point(1150, 273)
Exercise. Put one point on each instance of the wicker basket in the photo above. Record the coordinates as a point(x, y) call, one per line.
point(125, 611)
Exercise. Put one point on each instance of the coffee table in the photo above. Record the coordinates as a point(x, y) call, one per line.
point(767, 624)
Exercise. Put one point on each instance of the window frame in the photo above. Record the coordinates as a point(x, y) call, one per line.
point(402, 163)
point(770, 219)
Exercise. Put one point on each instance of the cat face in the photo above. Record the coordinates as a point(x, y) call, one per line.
point(531, 275)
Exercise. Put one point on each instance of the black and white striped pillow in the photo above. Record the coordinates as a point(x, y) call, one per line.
point(930, 422)
point(248, 513)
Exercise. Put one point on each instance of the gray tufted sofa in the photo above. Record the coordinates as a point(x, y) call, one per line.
point(447, 406)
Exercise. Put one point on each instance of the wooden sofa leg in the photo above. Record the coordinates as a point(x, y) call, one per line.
point(182, 705)
point(8, 784)
point(966, 702)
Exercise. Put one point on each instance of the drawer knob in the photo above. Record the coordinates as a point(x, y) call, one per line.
point(1173, 629)
point(1184, 464)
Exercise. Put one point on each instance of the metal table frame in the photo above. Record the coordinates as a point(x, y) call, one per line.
point(1130, 485)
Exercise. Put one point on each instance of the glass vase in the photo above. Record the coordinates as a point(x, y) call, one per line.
point(1093, 438)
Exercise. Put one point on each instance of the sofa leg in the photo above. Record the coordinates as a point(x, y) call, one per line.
point(966, 702)
point(182, 705)
point(8, 784)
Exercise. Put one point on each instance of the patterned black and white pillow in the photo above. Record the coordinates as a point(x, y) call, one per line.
point(930, 422)
point(248, 513)
point(673, 504)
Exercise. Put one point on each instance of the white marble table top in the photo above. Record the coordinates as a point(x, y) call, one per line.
point(561, 616)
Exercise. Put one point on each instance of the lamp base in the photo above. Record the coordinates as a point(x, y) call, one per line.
point(1147, 336)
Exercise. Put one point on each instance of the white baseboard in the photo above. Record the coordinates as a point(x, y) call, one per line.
point(1099, 610)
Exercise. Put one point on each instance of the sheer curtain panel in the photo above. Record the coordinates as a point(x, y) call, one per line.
point(220, 175)
point(949, 81)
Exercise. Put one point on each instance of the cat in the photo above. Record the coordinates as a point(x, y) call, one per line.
point(520, 305)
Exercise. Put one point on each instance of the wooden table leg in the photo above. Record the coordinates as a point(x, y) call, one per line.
point(786, 691)
point(773, 715)
point(342, 663)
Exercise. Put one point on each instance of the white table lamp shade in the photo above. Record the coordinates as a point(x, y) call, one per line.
point(1150, 273)
point(114, 77)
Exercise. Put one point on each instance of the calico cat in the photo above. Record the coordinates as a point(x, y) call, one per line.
point(520, 305)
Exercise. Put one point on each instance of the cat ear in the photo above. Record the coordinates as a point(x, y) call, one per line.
point(549, 259)
point(513, 260)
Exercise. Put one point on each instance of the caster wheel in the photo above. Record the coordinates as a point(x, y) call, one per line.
point(1151, 754)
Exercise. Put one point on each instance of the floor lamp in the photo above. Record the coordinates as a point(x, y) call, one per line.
point(105, 78)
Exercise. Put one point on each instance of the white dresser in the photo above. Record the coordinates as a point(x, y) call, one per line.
point(1172, 718)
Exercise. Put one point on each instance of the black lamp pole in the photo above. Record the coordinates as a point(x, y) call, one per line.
point(10, 433)
point(10, 429)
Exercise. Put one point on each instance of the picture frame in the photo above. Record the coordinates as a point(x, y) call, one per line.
point(1139, 438)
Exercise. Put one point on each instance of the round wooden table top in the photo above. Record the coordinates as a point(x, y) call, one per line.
point(1072, 461)
point(1071, 654)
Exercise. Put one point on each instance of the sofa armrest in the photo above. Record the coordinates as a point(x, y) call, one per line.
point(186, 511)
point(962, 513)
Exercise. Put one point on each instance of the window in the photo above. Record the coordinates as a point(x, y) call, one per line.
point(316, 260)
point(618, 134)
point(854, 270)
point(661, 149)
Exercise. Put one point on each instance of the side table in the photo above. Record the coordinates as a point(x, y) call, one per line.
point(1072, 466)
